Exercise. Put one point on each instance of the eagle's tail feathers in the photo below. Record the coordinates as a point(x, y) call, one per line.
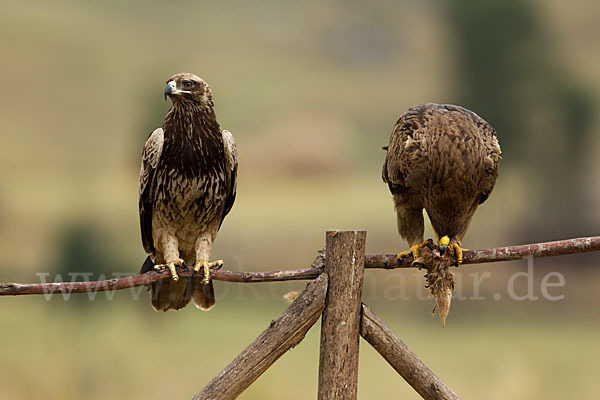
point(170, 295)
point(147, 266)
point(203, 295)
point(166, 293)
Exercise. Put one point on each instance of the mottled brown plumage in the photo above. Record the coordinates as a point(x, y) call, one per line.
point(187, 187)
point(443, 159)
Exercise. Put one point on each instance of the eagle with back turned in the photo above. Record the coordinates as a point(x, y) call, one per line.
point(444, 159)
point(187, 187)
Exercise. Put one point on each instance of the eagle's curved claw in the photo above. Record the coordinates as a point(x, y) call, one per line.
point(172, 266)
point(414, 250)
point(458, 251)
point(206, 266)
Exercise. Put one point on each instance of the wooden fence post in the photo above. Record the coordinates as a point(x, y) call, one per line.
point(340, 324)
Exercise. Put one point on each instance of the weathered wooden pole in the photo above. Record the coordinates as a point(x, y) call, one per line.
point(282, 334)
point(402, 359)
point(340, 324)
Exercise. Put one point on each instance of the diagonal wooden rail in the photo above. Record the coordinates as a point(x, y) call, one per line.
point(402, 359)
point(282, 334)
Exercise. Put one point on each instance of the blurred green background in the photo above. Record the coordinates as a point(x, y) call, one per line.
point(311, 91)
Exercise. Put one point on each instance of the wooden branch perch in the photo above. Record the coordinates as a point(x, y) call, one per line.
point(282, 334)
point(537, 250)
point(386, 261)
point(402, 359)
point(15, 289)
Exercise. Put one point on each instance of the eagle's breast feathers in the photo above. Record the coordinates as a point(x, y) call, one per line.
point(188, 177)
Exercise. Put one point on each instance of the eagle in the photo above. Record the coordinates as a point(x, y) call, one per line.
point(187, 186)
point(444, 159)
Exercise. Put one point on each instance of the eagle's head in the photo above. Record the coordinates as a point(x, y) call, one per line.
point(186, 87)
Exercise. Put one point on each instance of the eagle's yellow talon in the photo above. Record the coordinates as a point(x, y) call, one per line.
point(206, 266)
point(414, 250)
point(172, 268)
point(174, 273)
point(459, 253)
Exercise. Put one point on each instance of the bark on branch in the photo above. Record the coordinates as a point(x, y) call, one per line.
point(15, 289)
point(537, 250)
point(386, 261)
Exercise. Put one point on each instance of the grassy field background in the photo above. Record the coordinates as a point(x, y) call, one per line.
point(124, 350)
point(311, 93)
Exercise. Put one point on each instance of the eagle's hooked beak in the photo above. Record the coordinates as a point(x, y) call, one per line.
point(170, 89)
point(444, 242)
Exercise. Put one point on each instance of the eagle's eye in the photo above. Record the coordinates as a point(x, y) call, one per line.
point(188, 84)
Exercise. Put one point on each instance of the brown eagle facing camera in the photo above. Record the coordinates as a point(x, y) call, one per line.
point(187, 187)
point(443, 159)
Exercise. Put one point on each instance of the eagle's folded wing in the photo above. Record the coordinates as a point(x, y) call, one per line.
point(492, 149)
point(150, 158)
point(404, 165)
point(231, 164)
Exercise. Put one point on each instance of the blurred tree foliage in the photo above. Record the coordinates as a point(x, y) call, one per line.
point(508, 72)
point(84, 254)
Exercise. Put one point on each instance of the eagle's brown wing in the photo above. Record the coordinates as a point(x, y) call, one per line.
point(492, 150)
point(405, 172)
point(150, 157)
point(404, 164)
point(231, 165)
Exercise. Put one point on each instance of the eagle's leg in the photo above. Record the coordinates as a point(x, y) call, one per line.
point(410, 226)
point(437, 236)
point(170, 247)
point(203, 246)
point(206, 266)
